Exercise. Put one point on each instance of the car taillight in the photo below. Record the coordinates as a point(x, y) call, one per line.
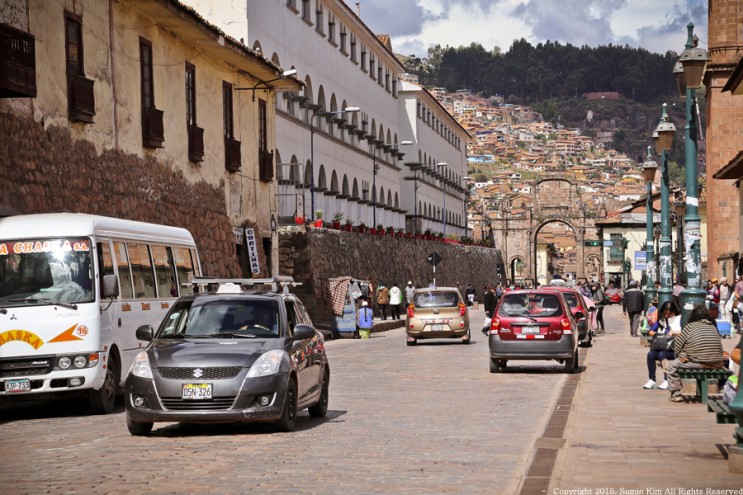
point(566, 330)
point(411, 311)
point(462, 309)
point(495, 326)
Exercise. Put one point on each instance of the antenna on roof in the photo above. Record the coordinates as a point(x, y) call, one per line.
point(358, 9)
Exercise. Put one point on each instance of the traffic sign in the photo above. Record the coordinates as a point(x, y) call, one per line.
point(434, 258)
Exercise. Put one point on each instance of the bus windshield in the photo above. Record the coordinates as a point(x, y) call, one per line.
point(46, 271)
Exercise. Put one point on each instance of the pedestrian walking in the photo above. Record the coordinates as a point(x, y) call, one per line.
point(489, 302)
point(383, 300)
point(470, 294)
point(409, 291)
point(395, 301)
point(364, 320)
point(634, 306)
point(725, 292)
point(599, 300)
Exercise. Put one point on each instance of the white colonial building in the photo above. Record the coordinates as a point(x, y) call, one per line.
point(342, 142)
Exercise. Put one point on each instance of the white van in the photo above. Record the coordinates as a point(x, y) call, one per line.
point(73, 290)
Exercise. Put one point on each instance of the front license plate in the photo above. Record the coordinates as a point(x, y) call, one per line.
point(17, 386)
point(530, 330)
point(197, 391)
point(437, 327)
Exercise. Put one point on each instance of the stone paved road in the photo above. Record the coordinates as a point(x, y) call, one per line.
point(425, 419)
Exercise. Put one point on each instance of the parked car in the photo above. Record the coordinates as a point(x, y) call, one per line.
point(533, 325)
point(577, 304)
point(437, 313)
point(231, 355)
point(615, 295)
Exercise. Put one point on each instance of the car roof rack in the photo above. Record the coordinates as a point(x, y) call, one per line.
point(284, 281)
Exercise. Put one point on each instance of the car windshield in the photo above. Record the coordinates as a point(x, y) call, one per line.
point(221, 319)
point(530, 305)
point(436, 299)
point(46, 271)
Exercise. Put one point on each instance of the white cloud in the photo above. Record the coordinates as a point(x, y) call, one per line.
point(414, 25)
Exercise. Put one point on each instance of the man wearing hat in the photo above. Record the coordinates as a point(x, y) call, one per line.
point(634, 306)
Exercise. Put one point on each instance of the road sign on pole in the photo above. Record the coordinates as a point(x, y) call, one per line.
point(434, 258)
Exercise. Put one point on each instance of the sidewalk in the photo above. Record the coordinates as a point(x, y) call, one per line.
point(622, 436)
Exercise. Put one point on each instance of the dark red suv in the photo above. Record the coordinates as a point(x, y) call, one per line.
point(533, 325)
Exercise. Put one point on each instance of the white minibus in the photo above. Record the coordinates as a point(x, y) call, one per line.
point(73, 290)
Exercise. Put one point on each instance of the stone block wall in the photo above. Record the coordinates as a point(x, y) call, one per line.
point(311, 255)
point(46, 171)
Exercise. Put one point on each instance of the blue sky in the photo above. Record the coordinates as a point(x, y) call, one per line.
point(414, 25)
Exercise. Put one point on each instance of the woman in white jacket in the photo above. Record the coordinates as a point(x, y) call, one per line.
point(395, 301)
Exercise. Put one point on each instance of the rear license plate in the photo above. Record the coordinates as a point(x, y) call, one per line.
point(197, 391)
point(17, 386)
point(530, 330)
point(437, 327)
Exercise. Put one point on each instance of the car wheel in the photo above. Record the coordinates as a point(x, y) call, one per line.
point(411, 341)
point(467, 338)
point(102, 400)
point(497, 365)
point(138, 429)
point(572, 363)
point(320, 409)
point(289, 416)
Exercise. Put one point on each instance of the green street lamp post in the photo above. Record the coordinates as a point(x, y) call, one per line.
point(648, 172)
point(693, 61)
point(665, 132)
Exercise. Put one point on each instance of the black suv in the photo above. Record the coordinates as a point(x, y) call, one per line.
point(245, 352)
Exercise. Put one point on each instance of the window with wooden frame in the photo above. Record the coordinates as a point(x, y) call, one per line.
point(319, 19)
point(306, 11)
point(80, 96)
point(265, 157)
point(195, 133)
point(343, 37)
point(153, 130)
point(331, 28)
point(232, 158)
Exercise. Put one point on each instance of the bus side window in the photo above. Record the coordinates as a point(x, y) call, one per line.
point(184, 266)
point(142, 275)
point(164, 271)
point(105, 263)
point(122, 265)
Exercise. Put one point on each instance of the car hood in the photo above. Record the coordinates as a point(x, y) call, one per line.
point(203, 353)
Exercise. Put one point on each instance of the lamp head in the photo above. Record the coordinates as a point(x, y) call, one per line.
point(666, 130)
point(288, 73)
point(678, 73)
point(694, 60)
point(649, 168)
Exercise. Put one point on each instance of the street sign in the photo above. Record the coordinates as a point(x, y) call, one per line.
point(434, 258)
point(641, 260)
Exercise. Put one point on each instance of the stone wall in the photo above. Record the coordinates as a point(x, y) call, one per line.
point(323, 253)
point(45, 170)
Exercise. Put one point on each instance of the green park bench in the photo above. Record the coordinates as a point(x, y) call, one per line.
point(701, 375)
point(722, 411)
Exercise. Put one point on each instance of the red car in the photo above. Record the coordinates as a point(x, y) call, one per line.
point(614, 295)
point(533, 325)
point(578, 304)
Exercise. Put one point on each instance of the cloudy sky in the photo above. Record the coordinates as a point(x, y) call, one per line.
point(414, 25)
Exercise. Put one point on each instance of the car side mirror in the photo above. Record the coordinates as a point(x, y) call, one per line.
point(578, 315)
point(303, 332)
point(145, 332)
point(110, 286)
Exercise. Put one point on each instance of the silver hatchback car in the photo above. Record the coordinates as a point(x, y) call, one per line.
point(437, 313)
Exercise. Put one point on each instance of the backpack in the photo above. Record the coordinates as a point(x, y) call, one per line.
point(366, 317)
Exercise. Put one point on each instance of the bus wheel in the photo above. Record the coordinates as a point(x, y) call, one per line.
point(102, 400)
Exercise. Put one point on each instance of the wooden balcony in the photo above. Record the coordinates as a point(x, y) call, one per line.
point(232, 158)
point(195, 143)
point(80, 98)
point(153, 131)
point(17, 63)
point(265, 165)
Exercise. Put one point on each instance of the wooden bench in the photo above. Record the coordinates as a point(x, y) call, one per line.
point(721, 410)
point(701, 375)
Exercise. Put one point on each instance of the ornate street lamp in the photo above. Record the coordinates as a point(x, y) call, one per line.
point(693, 60)
point(665, 132)
point(312, 149)
point(649, 169)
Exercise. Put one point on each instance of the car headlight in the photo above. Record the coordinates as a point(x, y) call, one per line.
point(141, 366)
point(267, 364)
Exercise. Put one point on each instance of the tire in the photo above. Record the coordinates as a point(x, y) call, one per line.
point(571, 364)
point(411, 342)
point(102, 401)
point(138, 429)
point(289, 416)
point(467, 338)
point(320, 409)
point(497, 365)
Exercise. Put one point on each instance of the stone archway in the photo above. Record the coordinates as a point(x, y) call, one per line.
point(518, 220)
